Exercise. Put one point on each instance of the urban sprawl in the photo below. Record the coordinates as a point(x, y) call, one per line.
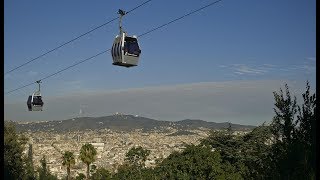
point(111, 146)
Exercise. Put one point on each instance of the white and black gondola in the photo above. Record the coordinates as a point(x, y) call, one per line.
point(34, 101)
point(125, 50)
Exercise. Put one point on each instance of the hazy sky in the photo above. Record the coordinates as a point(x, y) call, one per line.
point(220, 64)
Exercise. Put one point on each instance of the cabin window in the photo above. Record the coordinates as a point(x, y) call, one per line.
point(37, 100)
point(131, 46)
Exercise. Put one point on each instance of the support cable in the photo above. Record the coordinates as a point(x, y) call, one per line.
point(143, 34)
point(68, 42)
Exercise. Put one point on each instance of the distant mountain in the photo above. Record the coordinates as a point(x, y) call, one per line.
point(122, 123)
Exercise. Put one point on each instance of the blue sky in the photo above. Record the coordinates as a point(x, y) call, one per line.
point(231, 41)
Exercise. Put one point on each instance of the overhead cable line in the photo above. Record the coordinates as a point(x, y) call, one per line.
point(143, 34)
point(64, 69)
point(56, 48)
point(20, 88)
point(181, 17)
point(79, 62)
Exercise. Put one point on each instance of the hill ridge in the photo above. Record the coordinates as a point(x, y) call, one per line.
point(123, 123)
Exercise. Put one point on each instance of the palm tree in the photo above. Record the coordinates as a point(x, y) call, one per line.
point(68, 160)
point(87, 155)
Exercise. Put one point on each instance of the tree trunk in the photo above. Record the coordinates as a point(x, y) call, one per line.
point(88, 171)
point(68, 172)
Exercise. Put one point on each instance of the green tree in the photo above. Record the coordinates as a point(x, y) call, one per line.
point(133, 172)
point(196, 162)
point(256, 152)
point(137, 156)
point(80, 176)
point(307, 132)
point(13, 152)
point(284, 121)
point(30, 174)
point(283, 127)
point(44, 172)
point(294, 129)
point(87, 156)
point(249, 153)
point(301, 153)
point(227, 144)
point(101, 174)
point(93, 168)
point(127, 171)
point(68, 160)
point(307, 117)
point(134, 164)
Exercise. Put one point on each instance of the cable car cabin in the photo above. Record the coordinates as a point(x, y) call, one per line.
point(35, 102)
point(125, 50)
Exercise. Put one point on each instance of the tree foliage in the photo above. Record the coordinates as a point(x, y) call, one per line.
point(13, 153)
point(101, 174)
point(284, 121)
point(294, 129)
point(44, 171)
point(306, 134)
point(226, 144)
point(133, 167)
point(256, 152)
point(68, 160)
point(137, 156)
point(88, 155)
point(195, 162)
point(30, 173)
point(80, 176)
